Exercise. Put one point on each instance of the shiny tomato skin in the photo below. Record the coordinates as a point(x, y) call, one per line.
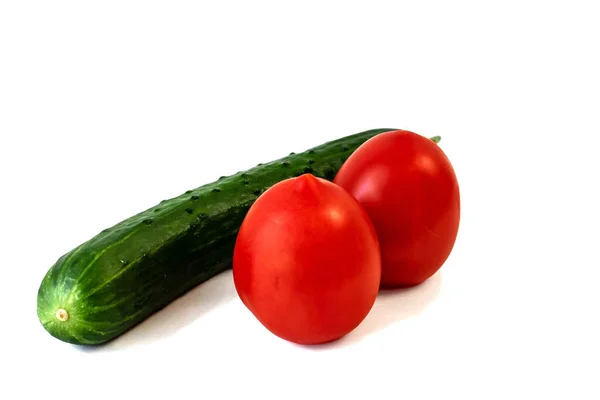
point(307, 261)
point(409, 188)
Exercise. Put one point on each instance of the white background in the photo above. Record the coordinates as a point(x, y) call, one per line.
point(108, 107)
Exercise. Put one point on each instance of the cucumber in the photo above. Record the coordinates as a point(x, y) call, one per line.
point(107, 285)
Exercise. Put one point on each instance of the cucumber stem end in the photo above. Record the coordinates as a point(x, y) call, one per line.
point(62, 314)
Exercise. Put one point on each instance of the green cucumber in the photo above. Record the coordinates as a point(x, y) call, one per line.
point(120, 277)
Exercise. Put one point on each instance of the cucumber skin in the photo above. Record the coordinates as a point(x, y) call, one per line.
point(126, 273)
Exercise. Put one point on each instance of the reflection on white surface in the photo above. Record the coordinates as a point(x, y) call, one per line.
point(392, 306)
point(195, 304)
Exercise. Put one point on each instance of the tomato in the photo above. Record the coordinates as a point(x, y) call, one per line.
point(307, 261)
point(409, 188)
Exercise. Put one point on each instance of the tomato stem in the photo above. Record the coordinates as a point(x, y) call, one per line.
point(436, 139)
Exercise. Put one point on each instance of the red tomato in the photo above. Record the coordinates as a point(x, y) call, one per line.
point(409, 189)
point(307, 261)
